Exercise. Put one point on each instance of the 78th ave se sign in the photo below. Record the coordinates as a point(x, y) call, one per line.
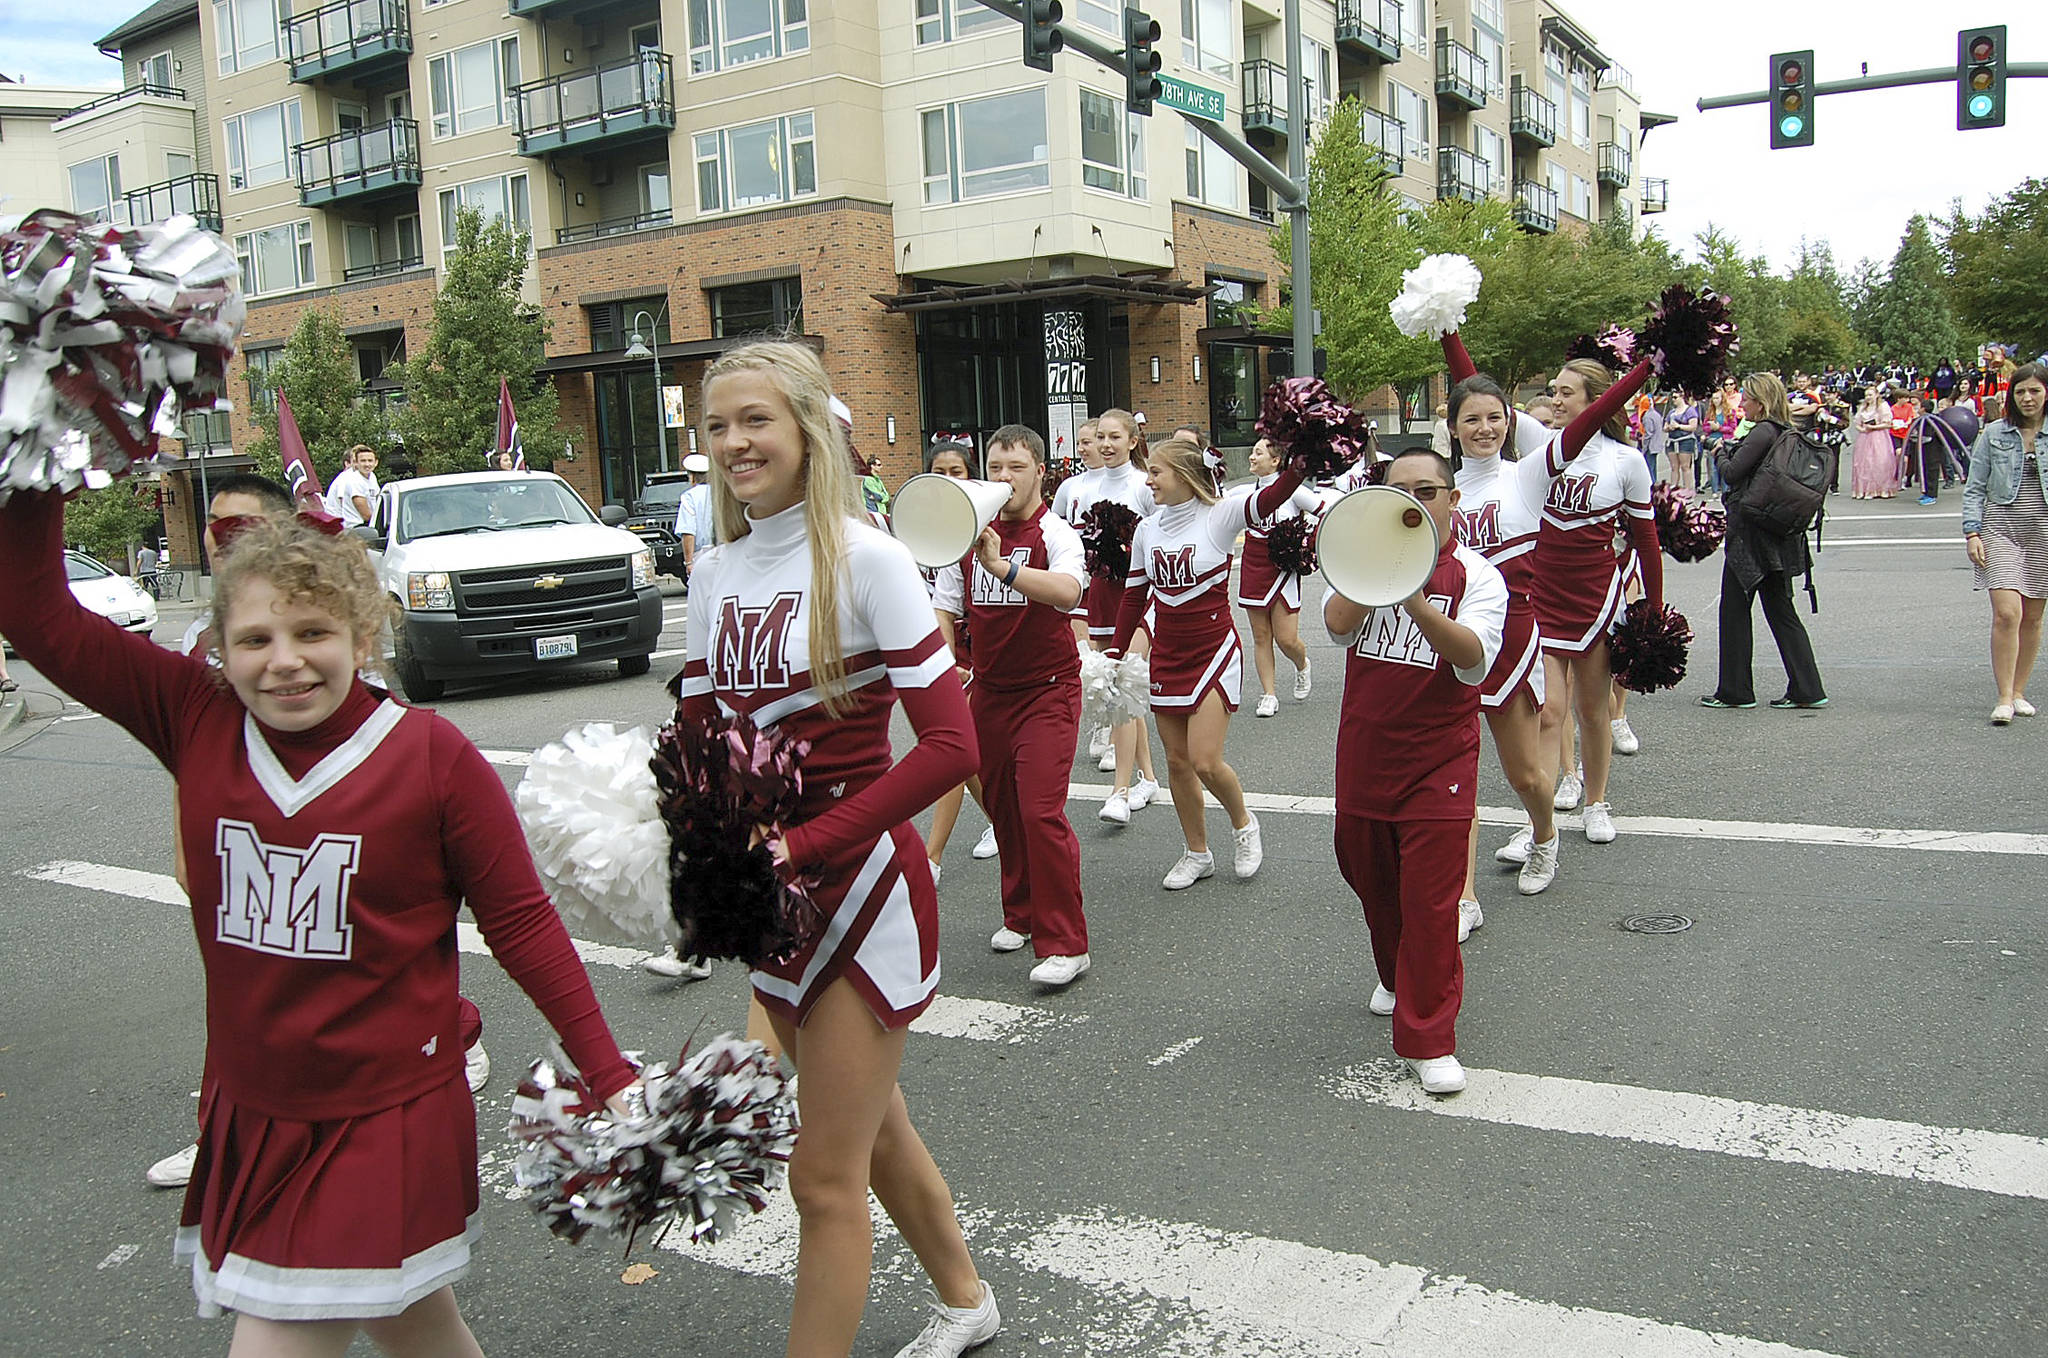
point(1190, 98)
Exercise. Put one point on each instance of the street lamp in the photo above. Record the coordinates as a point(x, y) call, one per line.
point(637, 348)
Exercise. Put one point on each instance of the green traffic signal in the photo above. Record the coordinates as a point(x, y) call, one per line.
point(1791, 99)
point(1980, 78)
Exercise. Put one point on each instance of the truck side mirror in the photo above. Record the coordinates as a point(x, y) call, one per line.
point(372, 538)
point(612, 515)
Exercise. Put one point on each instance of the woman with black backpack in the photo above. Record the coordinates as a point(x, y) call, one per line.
point(1761, 559)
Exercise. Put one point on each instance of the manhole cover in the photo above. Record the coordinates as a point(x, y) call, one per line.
point(1657, 924)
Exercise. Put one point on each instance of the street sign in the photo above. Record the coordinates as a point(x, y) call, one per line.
point(1189, 97)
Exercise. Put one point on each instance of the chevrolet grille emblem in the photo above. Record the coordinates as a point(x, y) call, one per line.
point(549, 582)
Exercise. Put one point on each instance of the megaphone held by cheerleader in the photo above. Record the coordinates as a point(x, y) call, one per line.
point(939, 518)
point(1378, 546)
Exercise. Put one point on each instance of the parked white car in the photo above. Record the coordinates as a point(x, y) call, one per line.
point(110, 594)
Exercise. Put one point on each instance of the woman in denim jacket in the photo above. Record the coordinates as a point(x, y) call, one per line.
point(2005, 527)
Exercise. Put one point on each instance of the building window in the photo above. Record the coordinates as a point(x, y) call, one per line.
point(1112, 141)
point(1415, 26)
point(980, 147)
point(1493, 149)
point(155, 71)
point(944, 20)
point(1492, 13)
point(245, 31)
point(755, 165)
point(260, 144)
point(472, 86)
point(726, 33)
point(96, 189)
point(1231, 304)
point(1553, 179)
point(499, 198)
point(1098, 14)
point(1206, 29)
point(1582, 107)
point(1319, 80)
point(1496, 54)
point(773, 307)
point(612, 323)
point(276, 258)
point(1213, 177)
point(1413, 111)
point(1582, 198)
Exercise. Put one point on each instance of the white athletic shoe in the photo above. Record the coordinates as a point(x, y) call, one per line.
point(1470, 917)
point(1269, 706)
point(174, 1170)
point(1301, 683)
point(1247, 849)
point(675, 968)
point(1382, 1001)
point(1107, 764)
point(1599, 819)
point(1625, 741)
point(1143, 792)
point(1439, 1074)
point(1192, 868)
point(1116, 809)
point(985, 847)
point(938, 871)
point(1516, 851)
point(1541, 869)
point(1098, 741)
point(1571, 790)
point(1059, 971)
point(954, 1330)
point(476, 1066)
point(1007, 939)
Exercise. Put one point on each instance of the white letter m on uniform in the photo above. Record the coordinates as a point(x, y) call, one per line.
point(290, 902)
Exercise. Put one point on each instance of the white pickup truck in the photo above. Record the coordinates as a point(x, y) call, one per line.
point(503, 573)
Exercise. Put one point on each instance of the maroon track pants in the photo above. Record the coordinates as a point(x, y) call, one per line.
point(1027, 741)
point(1408, 874)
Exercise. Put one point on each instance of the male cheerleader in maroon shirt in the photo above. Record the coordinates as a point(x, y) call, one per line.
point(1020, 585)
point(1408, 765)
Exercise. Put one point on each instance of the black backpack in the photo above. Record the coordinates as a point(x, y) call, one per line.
point(1789, 488)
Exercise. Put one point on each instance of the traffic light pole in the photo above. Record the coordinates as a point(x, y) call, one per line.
point(1945, 75)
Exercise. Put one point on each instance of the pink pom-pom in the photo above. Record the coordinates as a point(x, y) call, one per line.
point(1648, 647)
point(1614, 347)
point(1687, 529)
point(1321, 434)
point(1105, 534)
point(1690, 339)
point(1292, 545)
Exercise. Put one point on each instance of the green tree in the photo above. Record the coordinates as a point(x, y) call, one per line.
point(1818, 319)
point(483, 331)
point(317, 372)
point(1911, 321)
point(1755, 295)
point(106, 523)
point(1544, 291)
point(1999, 268)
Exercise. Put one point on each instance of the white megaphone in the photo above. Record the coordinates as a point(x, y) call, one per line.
point(1378, 545)
point(939, 518)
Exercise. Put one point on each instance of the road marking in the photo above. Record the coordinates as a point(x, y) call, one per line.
point(82, 716)
point(1833, 543)
point(1960, 1157)
point(121, 1255)
point(1175, 1052)
point(148, 886)
point(1872, 518)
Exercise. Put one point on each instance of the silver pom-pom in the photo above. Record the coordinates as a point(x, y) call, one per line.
point(1114, 691)
point(714, 1141)
point(1434, 296)
point(593, 821)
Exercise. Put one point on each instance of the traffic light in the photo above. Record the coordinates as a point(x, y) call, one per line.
point(1792, 99)
point(1141, 60)
point(1980, 78)
point(1042, 35)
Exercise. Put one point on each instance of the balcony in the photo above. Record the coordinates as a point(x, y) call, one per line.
point(1385, 134)
point(1616, 163)
point(195, 195)
point(356, 273)
point(1532, 116)
point(1370, 29)
point(1656, 195)
point(1460, 174)
point(583, 11)
point(359, 166)
point(629, 100)
point(349, 37)
point(1460, 72)
point(147, 89)
point(613, 226)
point(1265, 97)
point(1535, 206)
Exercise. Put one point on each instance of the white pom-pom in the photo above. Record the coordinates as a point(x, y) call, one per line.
point(593, 821)
point(1434, 295)
point(1114, 691)
point(1134, 687)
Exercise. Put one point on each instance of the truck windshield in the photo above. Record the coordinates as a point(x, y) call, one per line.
point(488, 506)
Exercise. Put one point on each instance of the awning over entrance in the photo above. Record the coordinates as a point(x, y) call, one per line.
point(943, 296)
point(605, 359)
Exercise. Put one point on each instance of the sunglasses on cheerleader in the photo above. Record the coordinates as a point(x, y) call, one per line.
point(1425, 492)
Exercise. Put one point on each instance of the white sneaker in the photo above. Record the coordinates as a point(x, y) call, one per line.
point(1098, 741)
point(174, 1170)
point(1439, 1074)
point(1116, 808)
point(1192, 868)
point(985, 847)
point(1625, 741)
point(1269, 706)
point(1007, 939)
point(1247, 849)
point(1382, 1001)
point(1301, 683)
point(1470, 917)
point(1599, 820)
point(1516, 850)
point(1107, 764)
point(938, 871)
point(1059, 971)
point(476, 1066)
point(1571, 790)
point(953, 1330)
point(669, 965)
point(1541, 869)
point(1143, 792)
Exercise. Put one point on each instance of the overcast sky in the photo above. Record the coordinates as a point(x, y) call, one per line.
point(1878, 157)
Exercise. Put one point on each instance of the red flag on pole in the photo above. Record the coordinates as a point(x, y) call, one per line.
point(298, 466)
point(508, 428)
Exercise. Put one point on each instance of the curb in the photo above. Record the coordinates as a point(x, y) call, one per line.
point(12, 708)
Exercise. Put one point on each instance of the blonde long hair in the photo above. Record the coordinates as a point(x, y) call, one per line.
point(1767, 391)
point(831, 492)
point(1183, 457)
point(1598, 377)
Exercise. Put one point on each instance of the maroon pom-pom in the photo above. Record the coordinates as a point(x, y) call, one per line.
point(1690, 339)
point(1614, 347)
point(1057, 470)
point(1292, 545)
point(1105, 534)
point(1648, 647)
point(1321, 434)
point(721, 779)
point(1687, 529)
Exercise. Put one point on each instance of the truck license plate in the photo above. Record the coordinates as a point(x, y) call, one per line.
point(554, 648)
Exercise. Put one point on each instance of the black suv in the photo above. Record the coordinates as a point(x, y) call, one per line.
point(653, 519)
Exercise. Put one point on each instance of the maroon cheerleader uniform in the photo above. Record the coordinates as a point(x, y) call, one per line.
point(1261, 584)
point(1126, 486)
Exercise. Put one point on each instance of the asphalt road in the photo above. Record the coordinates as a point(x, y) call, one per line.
point(1814, 1119)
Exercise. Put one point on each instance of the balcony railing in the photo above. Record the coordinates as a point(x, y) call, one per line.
point(1265, 97)
point(1460, 174)
point(147, 87)
point(372, 162)
point(624, 101)
point(1386, 134)
point(348, 35)
point(355, 273)
point(1616, 163)
point(1370, 28)
point(613, 226)
point(196, 195)
point(1656, 195)
point(1460, 72)
point(1532, 116)
point(1535, 206)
